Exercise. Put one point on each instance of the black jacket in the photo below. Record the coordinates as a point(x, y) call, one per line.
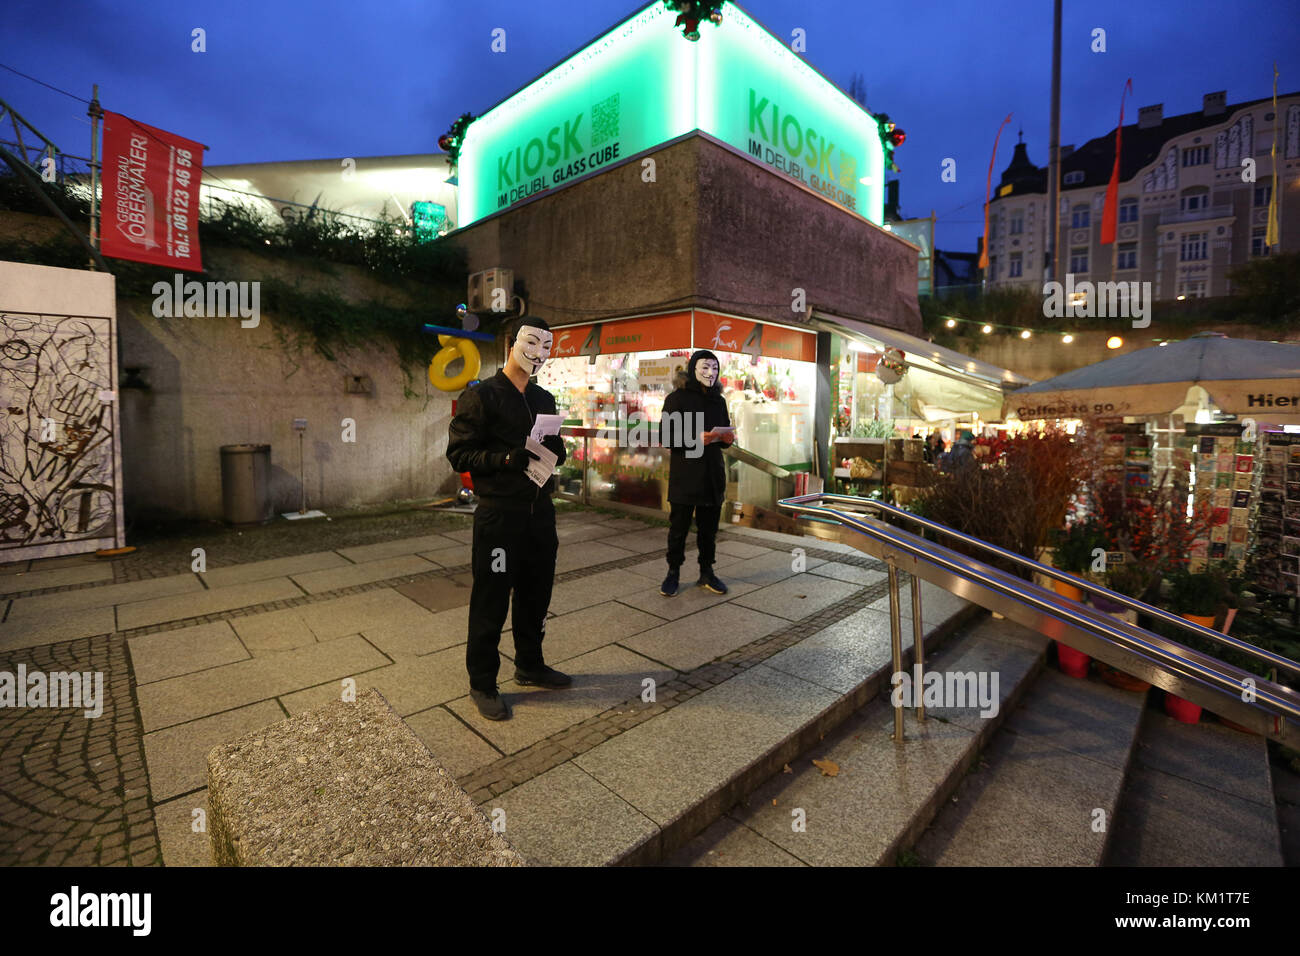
point(701, 480)
point(493, 418)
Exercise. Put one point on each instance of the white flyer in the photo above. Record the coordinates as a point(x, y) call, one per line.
point(541, 468)
point(546, 425)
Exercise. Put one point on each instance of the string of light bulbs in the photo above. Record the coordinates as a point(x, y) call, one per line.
point(987, 328)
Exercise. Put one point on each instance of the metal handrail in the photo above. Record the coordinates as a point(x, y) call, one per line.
point(1177, 660)
point(1276, 660)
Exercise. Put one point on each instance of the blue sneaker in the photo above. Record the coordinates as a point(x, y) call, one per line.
point(669, 587)
point(709, 581)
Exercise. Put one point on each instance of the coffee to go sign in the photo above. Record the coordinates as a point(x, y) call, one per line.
point(641, 85)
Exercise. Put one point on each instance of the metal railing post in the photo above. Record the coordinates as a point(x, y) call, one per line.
point(896, 647)
point(918, 650)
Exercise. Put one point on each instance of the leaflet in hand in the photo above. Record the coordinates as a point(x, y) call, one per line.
point(546, 425)
point(541, 468)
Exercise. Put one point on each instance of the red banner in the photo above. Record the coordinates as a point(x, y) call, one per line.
point(150, 207)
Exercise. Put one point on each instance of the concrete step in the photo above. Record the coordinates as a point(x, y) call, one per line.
point(1196, 795)
point(644, 793)
point(884, 793)
point(1045, 791)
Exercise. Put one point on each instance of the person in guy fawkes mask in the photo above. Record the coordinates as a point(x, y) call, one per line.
point(514, 525)
point(697, 478)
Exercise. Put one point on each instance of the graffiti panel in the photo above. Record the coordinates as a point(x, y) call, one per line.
point(58, 461)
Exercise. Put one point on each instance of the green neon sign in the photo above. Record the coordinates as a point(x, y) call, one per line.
point(641, 84)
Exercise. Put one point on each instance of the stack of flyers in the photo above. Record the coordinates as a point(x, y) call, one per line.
point(1223, 481)
point(1245, 463)
point(1242, 479)
point(1207, 445)
point(1241, 499)
point(1223, 498)
point(1226, 461)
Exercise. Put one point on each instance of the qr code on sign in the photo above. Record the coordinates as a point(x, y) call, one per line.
point(604, 121)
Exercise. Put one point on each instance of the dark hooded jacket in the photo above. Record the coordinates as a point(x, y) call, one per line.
point(701, 480)
point(492, 418)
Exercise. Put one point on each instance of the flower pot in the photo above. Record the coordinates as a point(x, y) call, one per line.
point(1117, 678)
point(1105, 604)
point(1182, 710)
point(1072, 663)
point(1067, 590)
point(1205, 620)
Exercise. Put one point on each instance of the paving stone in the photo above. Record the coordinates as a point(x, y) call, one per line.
point(179, 699)
point(656, 568)
point(178, 756)
point(576, 633)
point(454, 557)
point(768, 569)
point(688, 600)
point(585, 554)
point(103, 596)
point(937, 604)
point(565, 818)
point(863, 577)
point(385, 569)
point(601, 679)
point(692, 641)
point(741, 549)
point(797, 597)
point(844, 655)
point(181, 845)
point(627, 525)
point(54, 626)
point(641, 542)
point(55, 577)
point(728, 843)
point(430, 543)
point(170, 653)
point(1210, 754)
point(220, 577)
point(452, 744)
point(354, 613)
point(439, 594)
point(417, 683)
point(571, 532)
point(273, 631)
point(665, 766)
point(158, 610)
point(594, 589)
point(312, 698)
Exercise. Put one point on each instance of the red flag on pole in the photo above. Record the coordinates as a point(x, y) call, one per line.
point(1111, 213)
point(988, 187)
point(151, 195)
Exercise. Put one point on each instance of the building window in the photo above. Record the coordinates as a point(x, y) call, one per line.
point(1193, 201)
point(1191, 289)
point(1128, 210)
point(1126, 256)
point(1017, 223)
point(1263, 194)
point(1196, 156)
point(992, 273)
point(1074, 178)
point(993, 227)
point(1079, 260)
point(1258, 247)
point(1195, 245)
point(1015, 268)
point(1079, 217)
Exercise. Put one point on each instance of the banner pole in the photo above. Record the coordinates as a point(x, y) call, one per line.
point(94, 113)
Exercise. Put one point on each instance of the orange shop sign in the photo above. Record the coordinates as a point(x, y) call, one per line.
point(650, 334)
point(722, 333)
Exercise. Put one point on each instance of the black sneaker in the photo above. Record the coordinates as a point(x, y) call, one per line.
point(709, 581)
point(546, 677)
point(491, 706)
point(669, 587)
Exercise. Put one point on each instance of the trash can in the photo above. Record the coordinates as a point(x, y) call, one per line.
point(246, 484)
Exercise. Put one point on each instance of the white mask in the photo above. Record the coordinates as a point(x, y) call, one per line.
point(706, 372)
point(532, 347)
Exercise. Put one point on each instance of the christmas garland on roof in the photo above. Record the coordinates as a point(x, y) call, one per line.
point(449, 142)
point(691, 12)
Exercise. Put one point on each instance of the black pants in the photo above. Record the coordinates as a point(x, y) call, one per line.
point(706, 533)
point(513, 551)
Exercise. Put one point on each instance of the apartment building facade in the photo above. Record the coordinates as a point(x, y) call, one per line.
point(1188, 211)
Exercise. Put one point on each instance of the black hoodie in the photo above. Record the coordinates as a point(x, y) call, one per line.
point(701, 480)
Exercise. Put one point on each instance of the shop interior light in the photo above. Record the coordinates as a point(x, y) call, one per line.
point(1067, 338)
point(987, 329)
point(1181, 298)
point(1025, 334)
point(1114, 342)
point(951, 323)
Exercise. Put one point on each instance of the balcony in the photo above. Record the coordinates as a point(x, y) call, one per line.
point(1196, 215)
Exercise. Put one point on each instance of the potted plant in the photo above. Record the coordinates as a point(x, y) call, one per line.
point(1074, 553)
point(1195, 597)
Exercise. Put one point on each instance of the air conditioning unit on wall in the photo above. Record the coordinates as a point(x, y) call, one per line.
point(492, 290)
